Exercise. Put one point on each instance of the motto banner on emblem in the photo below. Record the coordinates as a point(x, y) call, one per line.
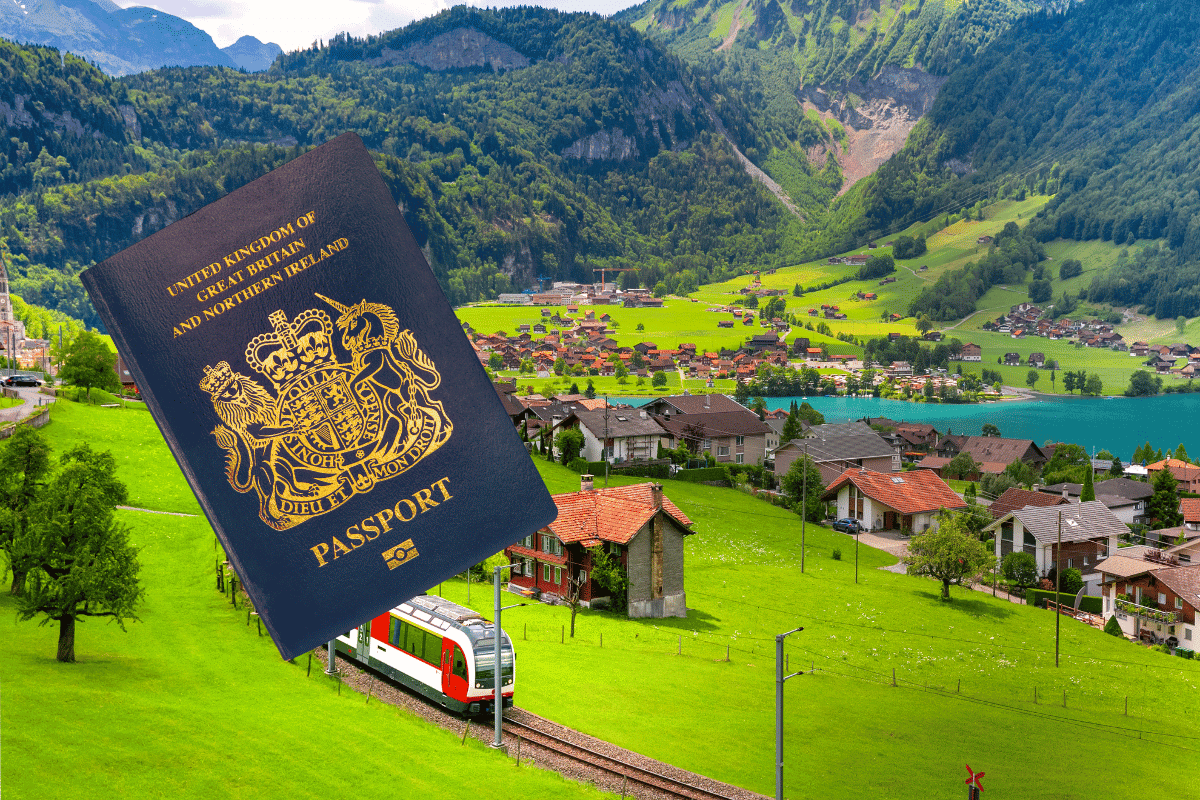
point(319, 395)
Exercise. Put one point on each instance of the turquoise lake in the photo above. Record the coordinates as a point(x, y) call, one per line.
point(1117, 424)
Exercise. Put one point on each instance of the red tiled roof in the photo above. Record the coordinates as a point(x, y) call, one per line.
point(610, 515)
point(908, 492)
point(1190, 508)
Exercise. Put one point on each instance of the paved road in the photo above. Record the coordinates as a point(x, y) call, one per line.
point(32, 397)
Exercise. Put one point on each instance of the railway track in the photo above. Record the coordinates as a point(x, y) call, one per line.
point(631, 774)
point(545, 743)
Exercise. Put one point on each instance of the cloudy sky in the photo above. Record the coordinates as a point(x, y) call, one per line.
point(293, 24)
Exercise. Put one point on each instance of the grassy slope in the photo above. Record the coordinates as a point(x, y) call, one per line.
point(190, 685)
point(849, 733)
point(192, 703)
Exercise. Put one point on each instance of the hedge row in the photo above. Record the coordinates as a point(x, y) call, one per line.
point(706, 475)
point(1089, 603)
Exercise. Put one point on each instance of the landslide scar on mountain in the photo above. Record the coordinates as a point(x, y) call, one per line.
point(877, 115)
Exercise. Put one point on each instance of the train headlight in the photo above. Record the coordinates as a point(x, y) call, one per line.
point(478, 685)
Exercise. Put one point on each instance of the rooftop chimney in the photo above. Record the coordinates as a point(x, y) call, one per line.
point(656, 494)
point(1066, 492)
point(585, 483)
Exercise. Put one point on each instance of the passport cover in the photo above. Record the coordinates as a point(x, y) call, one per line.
point(320, 395)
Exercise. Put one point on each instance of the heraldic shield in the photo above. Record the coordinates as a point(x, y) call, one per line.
point(327, 429)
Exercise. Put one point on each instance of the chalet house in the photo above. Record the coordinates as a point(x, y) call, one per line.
point(835, 448)
point(1187, 476)
point(1012, 359)
point(636, 525)
point(1153, 596)
point(712, 423)
point(971, 352)
point(900, 369)
point(1037, 359)
point(985, 239)
point(617, 434)
point(1090, 532)
point(908, 501)
point(1122, 496)
point(994, 453)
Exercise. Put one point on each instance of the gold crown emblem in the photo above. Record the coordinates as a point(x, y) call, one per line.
point(216, 379)
point(292, 348)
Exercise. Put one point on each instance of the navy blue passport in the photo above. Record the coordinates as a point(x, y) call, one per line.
point(320, 395)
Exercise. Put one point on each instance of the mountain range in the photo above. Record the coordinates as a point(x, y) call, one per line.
point(122, 41)
point(690, 143)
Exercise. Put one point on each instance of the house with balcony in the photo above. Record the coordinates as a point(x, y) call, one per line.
point(1089, 532)
point(636, 526)
point(617, 434)
point(1153, 595)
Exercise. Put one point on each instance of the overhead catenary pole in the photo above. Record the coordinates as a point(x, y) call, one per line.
point(498, 700)
point(779, 680)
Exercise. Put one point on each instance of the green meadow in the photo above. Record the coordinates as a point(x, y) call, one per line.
point(950, 248)
point(191, 702)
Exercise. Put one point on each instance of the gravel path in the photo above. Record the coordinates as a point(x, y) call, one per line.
point(354, 677)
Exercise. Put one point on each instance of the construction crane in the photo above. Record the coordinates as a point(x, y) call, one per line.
point(603, 270)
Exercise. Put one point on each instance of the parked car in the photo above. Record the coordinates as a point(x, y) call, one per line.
point(22, 380)
point(847, 525)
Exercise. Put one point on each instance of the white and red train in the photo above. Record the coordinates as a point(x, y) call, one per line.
point(439, 649)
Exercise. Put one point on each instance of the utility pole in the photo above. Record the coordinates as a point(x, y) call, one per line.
point(1057, 583)
point(779, 680)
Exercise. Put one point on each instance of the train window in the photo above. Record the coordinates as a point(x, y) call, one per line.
point(485, 659)
point(459, 667)
point(394, 629)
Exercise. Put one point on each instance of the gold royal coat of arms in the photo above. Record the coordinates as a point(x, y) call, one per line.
point(326, 429)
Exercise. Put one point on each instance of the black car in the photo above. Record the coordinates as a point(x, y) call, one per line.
point(847, 525)
point(22, 380)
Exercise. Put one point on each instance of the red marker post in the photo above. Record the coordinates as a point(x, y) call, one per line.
point(974, 787)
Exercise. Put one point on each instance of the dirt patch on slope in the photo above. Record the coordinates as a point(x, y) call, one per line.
point(877, 115)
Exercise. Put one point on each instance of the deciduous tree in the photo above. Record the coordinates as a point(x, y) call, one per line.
point(90, 363)
point(83, 562)
point(803, 482)
point(24, 464)
point(950, 553)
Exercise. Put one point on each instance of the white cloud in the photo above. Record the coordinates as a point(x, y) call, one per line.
point(298, 23)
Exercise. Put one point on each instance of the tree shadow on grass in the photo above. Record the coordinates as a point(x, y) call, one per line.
point(968, 605)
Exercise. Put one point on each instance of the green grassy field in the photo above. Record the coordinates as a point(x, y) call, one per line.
point(190, 702)
point(849, 733)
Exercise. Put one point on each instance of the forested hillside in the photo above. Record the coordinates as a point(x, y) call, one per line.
point(808, 70)
point(549, 145)
point(1101, 105)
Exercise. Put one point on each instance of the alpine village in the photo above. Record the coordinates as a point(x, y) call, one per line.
point(853, 342)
